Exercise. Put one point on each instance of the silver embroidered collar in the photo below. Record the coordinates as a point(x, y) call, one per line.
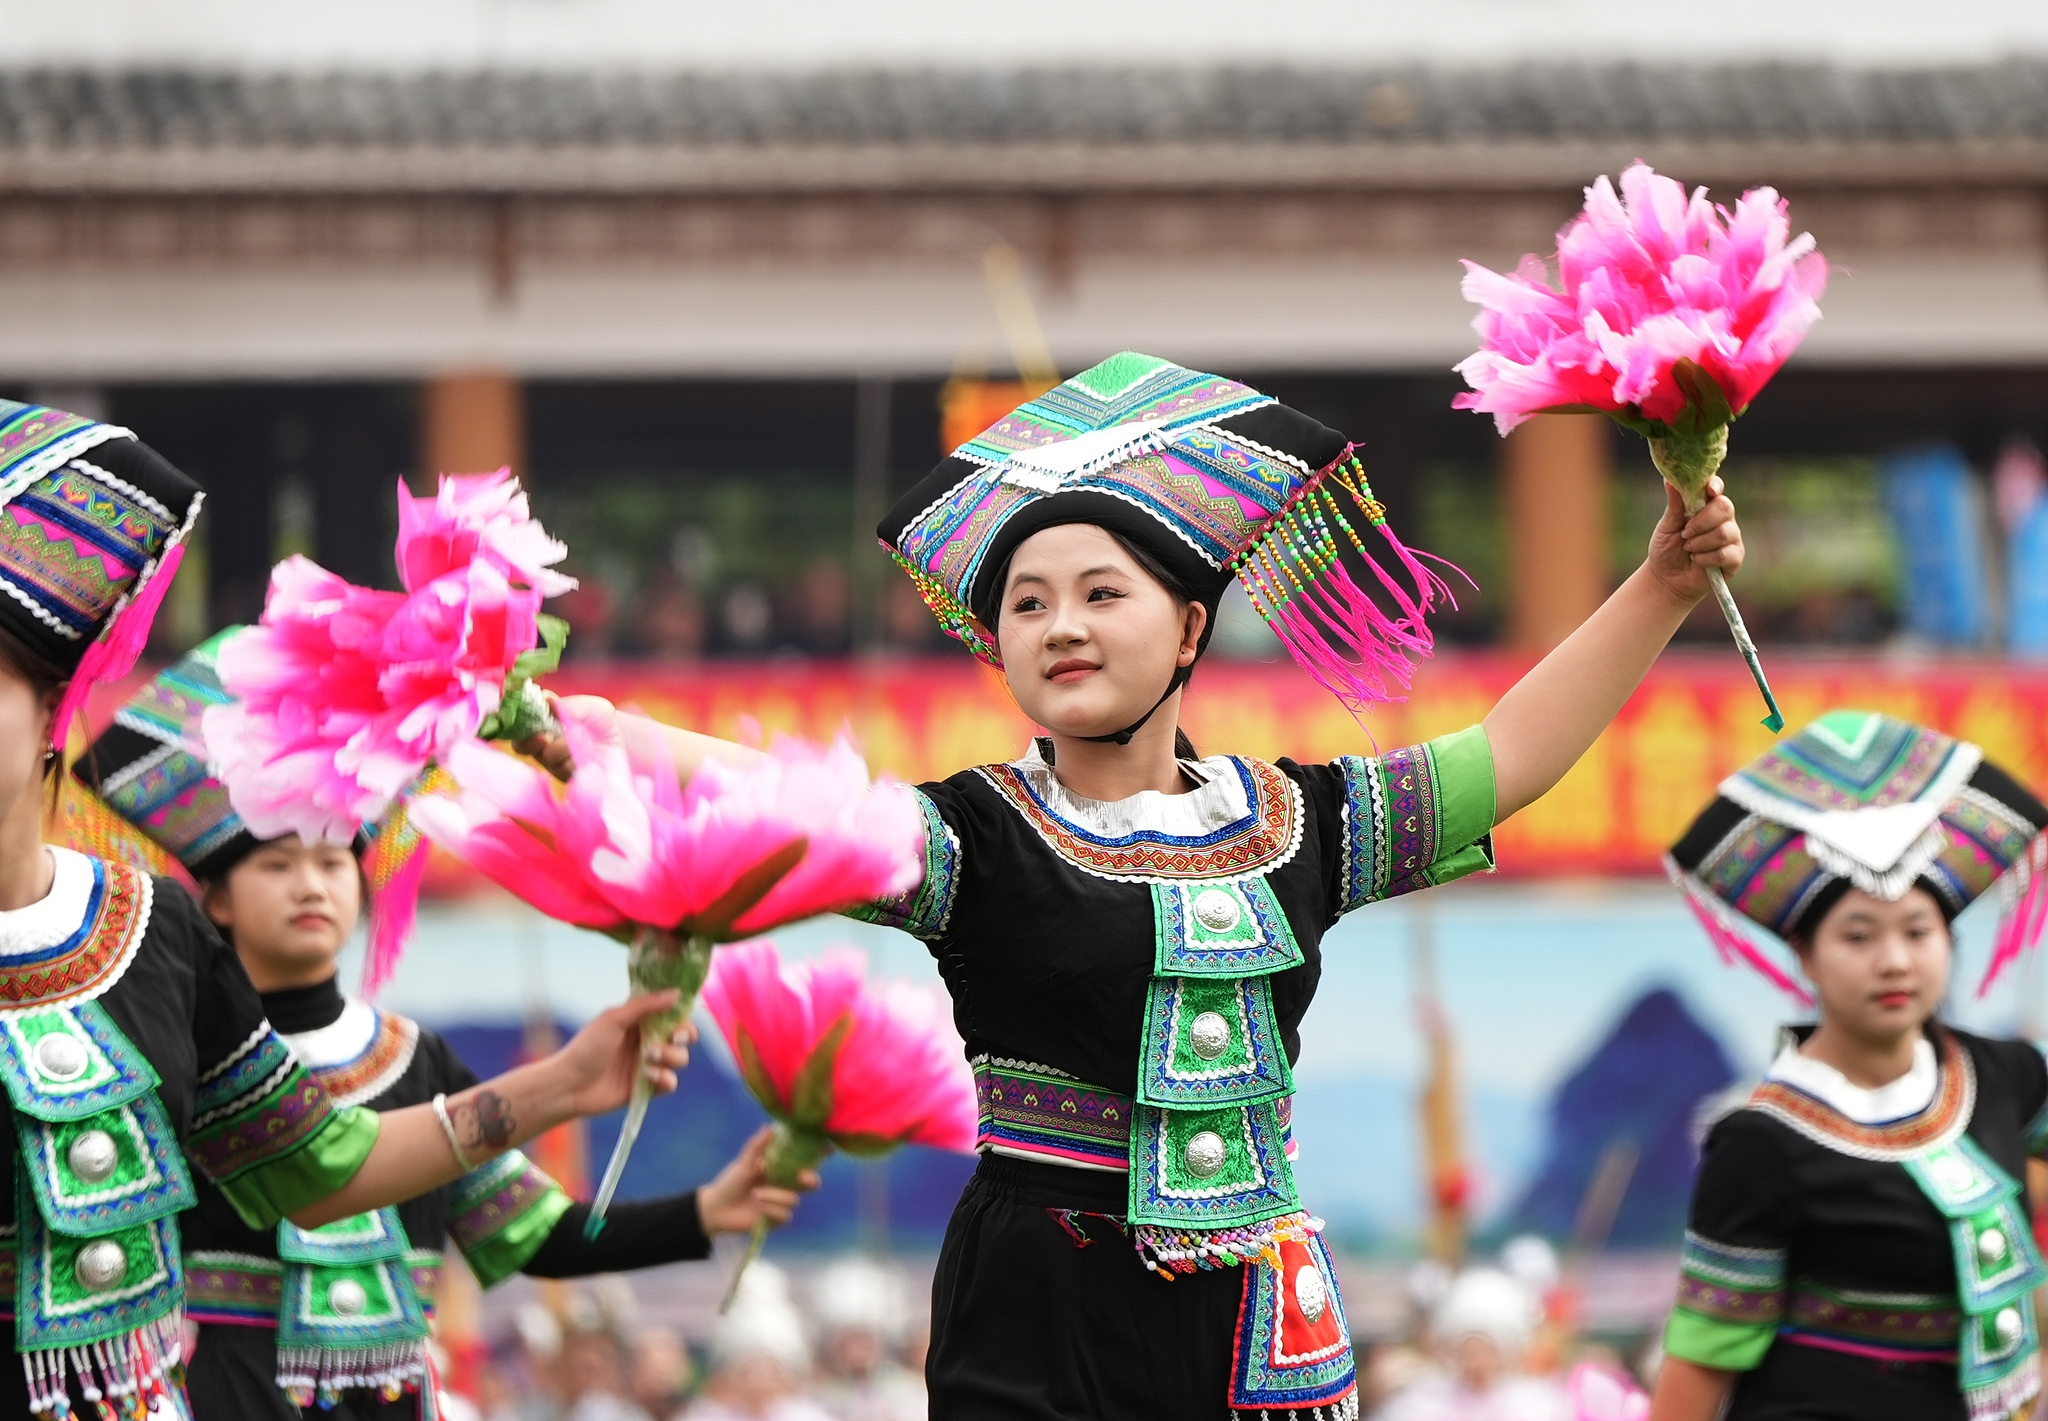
point(58, 914)
point(1217, 801)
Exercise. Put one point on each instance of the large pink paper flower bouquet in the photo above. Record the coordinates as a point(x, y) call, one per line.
point(1673, 314)
point(346, 695)
point(840, 1062)
point(622, 849)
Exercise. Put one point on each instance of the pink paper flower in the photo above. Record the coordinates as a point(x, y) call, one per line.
point(743, 849)
point(346, 694)
point(475, 516)
point(891, 1070)
point(1657, 287)
point(794, 833)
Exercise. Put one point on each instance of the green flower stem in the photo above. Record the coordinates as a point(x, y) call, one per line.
point(658, 959)
point(790, 1153)
point(1687, 462)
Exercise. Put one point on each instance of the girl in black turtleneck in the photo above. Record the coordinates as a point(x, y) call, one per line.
point(287, 908)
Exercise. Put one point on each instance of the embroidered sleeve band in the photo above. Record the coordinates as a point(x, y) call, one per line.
point(1730, 1303)
point(500, 1213)
point(1417, 817)
point(924, 910)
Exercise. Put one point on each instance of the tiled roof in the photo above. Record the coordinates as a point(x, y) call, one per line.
point(49, 118)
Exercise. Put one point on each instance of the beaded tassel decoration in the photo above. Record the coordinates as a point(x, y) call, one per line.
point(1166, 1252)
point(954, 618)
point(120, 1378)
point(1301, 586)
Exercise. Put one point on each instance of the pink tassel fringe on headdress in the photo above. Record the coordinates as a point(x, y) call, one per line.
point(2026, 911)
point(1726, 937)
point(1299, 584)
point(114, 653)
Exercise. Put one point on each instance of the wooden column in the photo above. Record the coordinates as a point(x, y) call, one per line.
point(1554, 481)
point(471, 422)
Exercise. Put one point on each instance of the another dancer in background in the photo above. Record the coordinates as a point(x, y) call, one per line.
point(1860, 1243)
point(132, 1046)
point(335, 1320)
point(1131, 933)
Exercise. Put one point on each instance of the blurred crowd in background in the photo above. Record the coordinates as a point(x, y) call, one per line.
point(843, 1339)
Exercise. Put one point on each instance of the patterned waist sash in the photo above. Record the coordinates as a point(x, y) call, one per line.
point(1034, 1113)
point(240, 1289)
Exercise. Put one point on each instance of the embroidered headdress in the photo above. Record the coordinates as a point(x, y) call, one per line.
point(1212, 477)
point(92, 528)
point(150, 767)
point(1863, 800)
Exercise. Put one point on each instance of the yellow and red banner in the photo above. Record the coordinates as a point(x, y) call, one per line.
point(1693, 721)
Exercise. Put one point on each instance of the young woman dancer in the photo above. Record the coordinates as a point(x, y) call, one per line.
point(290, 1319)
point(1860, 1244)
point(132, 1046)
point(1131, 934)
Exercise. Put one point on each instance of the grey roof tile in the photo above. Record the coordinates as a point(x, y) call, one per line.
point(144, 109)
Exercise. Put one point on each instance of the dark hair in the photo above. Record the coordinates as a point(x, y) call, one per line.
point(45, 678)
point(1154, 567)
point(1824, 902)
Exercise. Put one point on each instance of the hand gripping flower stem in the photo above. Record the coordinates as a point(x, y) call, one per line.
point(661, 958)
point(1687, 464)
point(657, 960)
point(790, 1153)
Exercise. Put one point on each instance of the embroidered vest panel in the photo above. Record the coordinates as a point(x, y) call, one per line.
point(100, 1176)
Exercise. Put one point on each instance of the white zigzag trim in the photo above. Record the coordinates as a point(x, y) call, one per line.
point(39, 611)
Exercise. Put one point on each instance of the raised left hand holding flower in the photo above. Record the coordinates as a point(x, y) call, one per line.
point(1673, 315)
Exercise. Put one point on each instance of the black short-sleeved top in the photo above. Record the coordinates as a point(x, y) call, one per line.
point(1038, 905)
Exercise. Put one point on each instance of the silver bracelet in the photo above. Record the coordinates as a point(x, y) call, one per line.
point(448, 1129)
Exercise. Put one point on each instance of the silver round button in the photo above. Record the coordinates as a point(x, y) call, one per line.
point(1991, 1245)
point(1311, 1292)
point(1957, 1177)
point(2008, 1325)
point(1209, 1035)
point(1216, 910)
point(1204, 1154)
point(347, 1298)
point(61, 1056)
point(101, 1264)
point(93, 1156)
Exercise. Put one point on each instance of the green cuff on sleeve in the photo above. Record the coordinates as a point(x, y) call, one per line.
point(1464, 768)
point(501, 1212)
point(327, 1160)
point(1711, 1342)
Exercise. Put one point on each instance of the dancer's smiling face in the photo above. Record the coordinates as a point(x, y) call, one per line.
point(1879, 968)
point(1089, 638)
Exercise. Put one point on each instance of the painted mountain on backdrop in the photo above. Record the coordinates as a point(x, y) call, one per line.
point(1631, 1106)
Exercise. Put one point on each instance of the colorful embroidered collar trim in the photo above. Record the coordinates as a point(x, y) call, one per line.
point(1259, 840)
point(1939, 1124)
point(375, 1067)
point(90, 959)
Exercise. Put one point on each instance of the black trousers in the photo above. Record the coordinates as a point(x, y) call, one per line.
point(1028, 1325)
point(1797, 1383)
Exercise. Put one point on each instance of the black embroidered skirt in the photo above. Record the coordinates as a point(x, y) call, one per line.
point(1030, 1325)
